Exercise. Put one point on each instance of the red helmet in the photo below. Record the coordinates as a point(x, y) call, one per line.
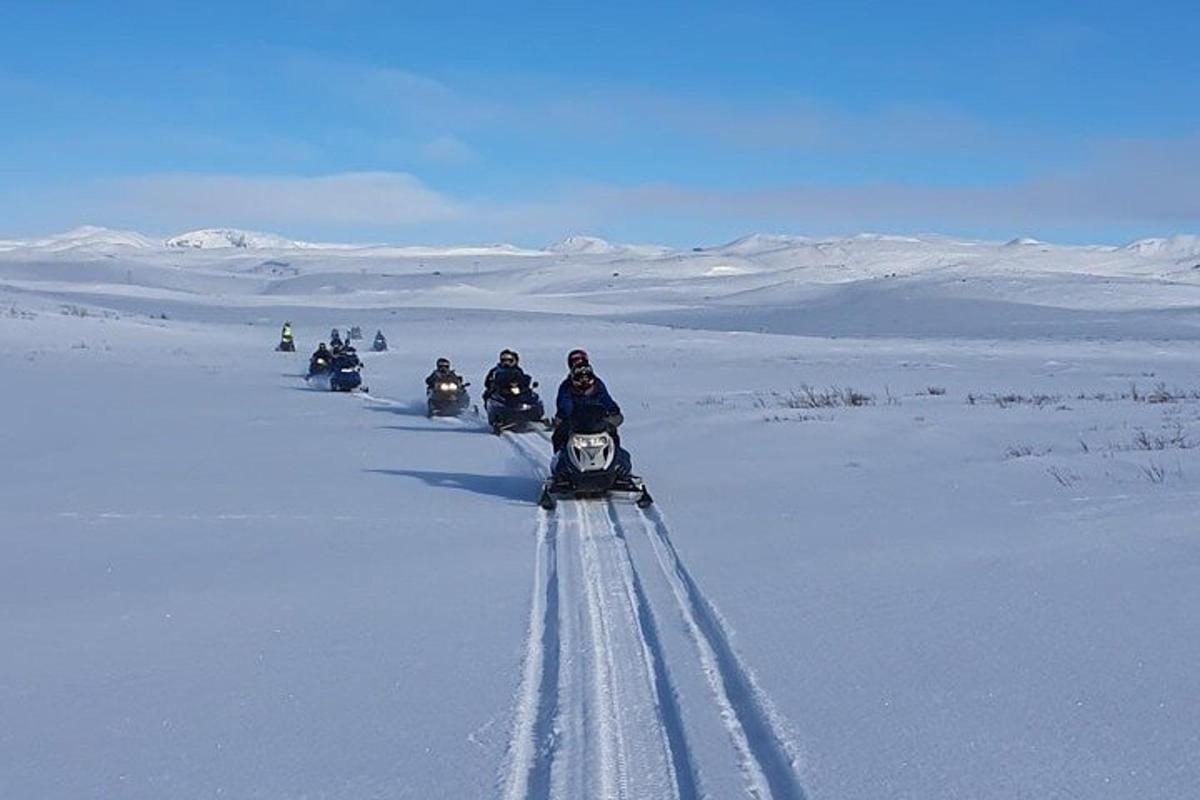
point(576, 357)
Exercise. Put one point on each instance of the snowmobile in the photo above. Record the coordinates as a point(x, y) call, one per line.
point(512, 406)
point(380, 343)
point(355, 332)
point(346, 373)
point(335, 337)
point(592, 464)
point(286, 346)
point(447, 398)
point(319, 365)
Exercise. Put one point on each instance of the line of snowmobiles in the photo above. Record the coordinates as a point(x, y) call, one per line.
point(590, 464)
point(287, 343)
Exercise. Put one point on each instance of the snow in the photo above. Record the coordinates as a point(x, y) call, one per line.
point(577, 245)
point(978, 578)
point(228, 237)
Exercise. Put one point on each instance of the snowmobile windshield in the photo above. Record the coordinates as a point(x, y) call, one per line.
point(589, 419)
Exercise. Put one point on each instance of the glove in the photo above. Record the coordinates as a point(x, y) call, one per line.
point(615, 420)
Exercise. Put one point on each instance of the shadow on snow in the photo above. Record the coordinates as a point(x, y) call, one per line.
point(520, 488)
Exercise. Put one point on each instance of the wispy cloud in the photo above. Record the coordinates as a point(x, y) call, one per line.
point(357, 199)
point(1138, 182)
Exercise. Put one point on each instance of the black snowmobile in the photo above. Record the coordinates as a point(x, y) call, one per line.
point(380, 343)
point(447, 398)
point(287, 345)
point(320, 365)
point(592, 464)
point(346, 373)
point(514, 405)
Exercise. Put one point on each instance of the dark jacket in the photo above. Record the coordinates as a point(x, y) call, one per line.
point(595, 397)
point(564, 389)
point(346, 361)
point(440, 377)
point(499, 375)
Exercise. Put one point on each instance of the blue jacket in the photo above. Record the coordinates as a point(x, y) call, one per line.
point(569, 399)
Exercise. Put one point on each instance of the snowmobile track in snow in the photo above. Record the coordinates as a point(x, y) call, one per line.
point(598, 714)
point(756, 730)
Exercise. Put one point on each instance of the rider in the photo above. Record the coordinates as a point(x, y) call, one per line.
point(335, 338)
point(585, 391)
point(380, 342)
point(346, 358)
point(507, 370)
point(575, 358)
point(321, 353)
point(442, 374)
point(285, 337)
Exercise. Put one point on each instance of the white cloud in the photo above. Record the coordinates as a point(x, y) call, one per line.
point(448, 150)
point(346, 199)
point(1145, 182)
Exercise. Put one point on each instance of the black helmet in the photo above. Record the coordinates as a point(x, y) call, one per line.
point(443, 364)
point(511, 356)
point(322, 346)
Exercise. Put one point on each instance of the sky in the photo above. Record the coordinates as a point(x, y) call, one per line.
point(677, 123)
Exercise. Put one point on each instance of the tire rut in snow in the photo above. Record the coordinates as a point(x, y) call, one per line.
point(757, 733)
point(531, 750)
point(686, 780)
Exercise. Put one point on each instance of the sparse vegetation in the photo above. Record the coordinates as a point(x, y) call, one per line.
point(1024, 451)
point(806, 397)
point(711, 400)
point(19, 313)
point(1064, 478)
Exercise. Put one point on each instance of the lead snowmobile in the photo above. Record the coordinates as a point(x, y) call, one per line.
point(592, 463)
point(380, 343)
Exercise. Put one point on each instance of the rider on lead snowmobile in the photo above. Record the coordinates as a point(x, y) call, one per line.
point(507, 370)
point(586, 394)
point(380, 343)
point(575, 358)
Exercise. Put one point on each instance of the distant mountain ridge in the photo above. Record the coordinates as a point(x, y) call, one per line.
point(95, 239)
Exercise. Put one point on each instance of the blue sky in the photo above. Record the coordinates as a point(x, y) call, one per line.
point(685, 123)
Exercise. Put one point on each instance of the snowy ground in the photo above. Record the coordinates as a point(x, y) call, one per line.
point(979, 579)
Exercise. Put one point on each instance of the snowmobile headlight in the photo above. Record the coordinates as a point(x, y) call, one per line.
point(515, 389)
point(448, 387)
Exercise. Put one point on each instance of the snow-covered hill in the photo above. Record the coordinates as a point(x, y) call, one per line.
point(208, 238)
